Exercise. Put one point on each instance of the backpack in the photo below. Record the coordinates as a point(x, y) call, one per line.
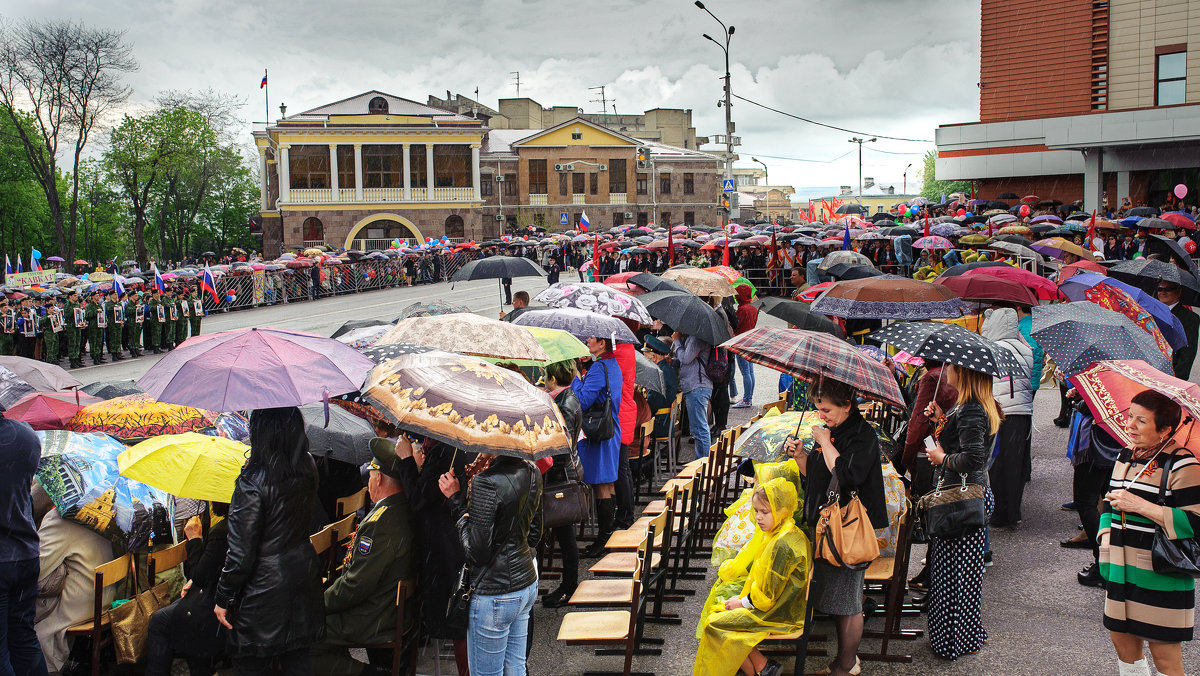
point(717, 366)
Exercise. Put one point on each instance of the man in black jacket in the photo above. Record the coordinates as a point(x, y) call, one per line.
point(1181, 361)
point(20, 451)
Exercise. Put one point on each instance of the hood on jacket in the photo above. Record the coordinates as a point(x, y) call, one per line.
point(1001, 324)
point(743, 293)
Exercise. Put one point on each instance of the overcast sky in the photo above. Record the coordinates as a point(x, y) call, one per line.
point(883, 67)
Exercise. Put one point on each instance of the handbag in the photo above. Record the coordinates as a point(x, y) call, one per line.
point(1173, 557)
point(567, 500)
point(130, 621)
point(597, 419)
point(844, 536)
point(953, 512)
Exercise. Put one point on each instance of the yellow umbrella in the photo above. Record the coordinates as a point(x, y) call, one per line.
point(188, 465)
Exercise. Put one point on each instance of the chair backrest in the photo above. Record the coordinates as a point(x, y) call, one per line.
point(165, 559)
point(777, 405)
point(322, 540)
point(351, 503)
point(343, 527)
point(108, 574)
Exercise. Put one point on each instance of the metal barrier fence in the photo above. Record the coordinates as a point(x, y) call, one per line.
point(240, 291)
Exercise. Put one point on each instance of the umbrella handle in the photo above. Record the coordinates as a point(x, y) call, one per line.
point(325, 400)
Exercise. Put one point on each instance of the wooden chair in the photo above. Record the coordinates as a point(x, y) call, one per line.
point(165, 559)
point(890, 572)
point(351, 503)
point(795, 642)
point(777, 405)
point(403, 639)
point(97, 628)
point(644, 439)
point(341, 532)
point(322, 542)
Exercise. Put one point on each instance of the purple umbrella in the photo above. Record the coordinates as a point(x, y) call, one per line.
point(55, 259)
point(247, 369)
point(944, 229)
point(1046, 218)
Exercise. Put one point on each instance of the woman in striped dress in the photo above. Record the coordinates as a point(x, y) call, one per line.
point(1143, 606)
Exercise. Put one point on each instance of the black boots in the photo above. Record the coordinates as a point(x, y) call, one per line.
point(1090, 576)
point(606, 514)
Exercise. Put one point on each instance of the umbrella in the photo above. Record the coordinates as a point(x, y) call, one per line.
point(137, 417)
point(579, 323)
point(598, 298)
point(1142, 211)
point(811, 356)
point(814, 292)
point(647, 374)
point(985, 287)
point(1068, 271)
point(13, 388)
point(1046, 218)
point(798, 315)
point(973, 240)
point(851, 257)
point(687, 314)
point(347, 437)
point(80, 474)
point(1117, 300)
point(187, 465)
point(1179, 219)
point(932, 242)
point(880, 356)
point(111, 389)
point(851, 209)
point(1109, 386)
point(364, 337)
point(845, 271)
point(80, 262)
point(55, 259)
point(48, 410)
point(1077, 286)
point(1171, 250)
point(498, 267)
point(430, 309)
point(468, 404)
point(1146, 274)
point(356, 324)
point(1080, 333)
point(763, 441)
point(651, 282)
point(1057, 247)
point(559, 345)
point(468, 334)
point(699, 282)
point(247, 369)
point(1016, 248)
point(41, 376)
point(382, 353)
point(1044, 288)
point(877, 298)
point(951, 344)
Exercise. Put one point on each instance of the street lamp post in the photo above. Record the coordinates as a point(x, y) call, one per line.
point(728, 32)
point(904, 190)
point(860, 143)
point(766, 174)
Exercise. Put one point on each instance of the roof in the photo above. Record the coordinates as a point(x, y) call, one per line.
point(358, 105)
point(499, 141)
point(667, 152)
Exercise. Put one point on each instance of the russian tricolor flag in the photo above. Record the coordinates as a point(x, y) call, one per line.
point(264, 81)
point(207, 283)
point(118, 286)
point(8, 268)
point(584, 223)
point(19, 269)
point(159, 282)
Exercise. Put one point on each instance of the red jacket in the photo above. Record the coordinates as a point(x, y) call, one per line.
point(627, 360)
point(747, 314)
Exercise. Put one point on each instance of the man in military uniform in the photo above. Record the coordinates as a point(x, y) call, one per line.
point(115, 327)
point(74, 339)
point(156, 316)
point(96, 323)
point(50, 337)
point(360, 605)
point(181, 326)
point(171, 311)
point(6, 332)
point(134, 319)
point(197, 312)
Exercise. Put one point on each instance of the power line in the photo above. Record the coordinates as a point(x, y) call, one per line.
point(798, 159)
point(892, 152)
point(830, 126)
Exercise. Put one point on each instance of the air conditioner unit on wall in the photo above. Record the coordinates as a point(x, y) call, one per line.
point(603, 167)
point(559, 167)
point(628, 214)
point(499, 217)
point(564, 167)
point(500, 178)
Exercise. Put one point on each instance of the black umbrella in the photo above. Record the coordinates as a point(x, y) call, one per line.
point(688, 314)
point(798, 315)
point(651, 282)
point(498, 267)
point(355, 324)
point(881, 216)
point(1169, 248)
point(1145, 274)
point(898, 230)
point(1008, 196)
point(1142, 211)
point(1151, 222)
point(209, 254)
point(1079, 334)
point(1077, 216)
point(648, 375)
point(1012, 239)
point(994, 204)
point(382, 353)
point(852, 271)
point(951, 344)
point(346, 438)
point(111, 389)
point(851, 209)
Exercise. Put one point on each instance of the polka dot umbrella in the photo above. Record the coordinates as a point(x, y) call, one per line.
point(1079, 334)
point(951, 344)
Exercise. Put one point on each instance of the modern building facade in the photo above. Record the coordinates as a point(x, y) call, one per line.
point(1103, 107)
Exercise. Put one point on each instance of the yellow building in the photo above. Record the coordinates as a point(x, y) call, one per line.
point(99, 513)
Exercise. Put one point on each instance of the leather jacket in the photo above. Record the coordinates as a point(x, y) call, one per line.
point(968, 443)
point(500, 525)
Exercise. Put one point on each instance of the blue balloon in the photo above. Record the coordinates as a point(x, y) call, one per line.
point(969, 214)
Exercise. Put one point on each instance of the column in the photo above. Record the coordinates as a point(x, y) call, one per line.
point(407, 175)
point(285, 177)
point(264, 204)
point(429, 171)
point(1114, 201)
point(1093, 179)
point(358, 173)
point(475, 170)
point(333, 172)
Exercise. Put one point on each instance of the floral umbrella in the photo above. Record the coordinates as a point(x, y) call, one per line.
point(1108, 387)
point(138, 417)
point(932, 242)
point(700, 282)
point(725, 271)
point(597, 298)
point(468, 334)
point(1117, 300)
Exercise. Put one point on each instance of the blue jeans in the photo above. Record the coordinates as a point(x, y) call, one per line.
point(496, 632)
point(20, 652)
point(696, 402)
point(747, 369)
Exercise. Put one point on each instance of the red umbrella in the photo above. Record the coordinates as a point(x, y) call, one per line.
point(1178, 220)
point(1118, 300)
point(1031, 199)
point(618, 280)
point(81, 262)
point(1068, 271)
point(1108, 387)
point(49, 410)
point(982, 287)
point(810, 294)
point(1044, 288)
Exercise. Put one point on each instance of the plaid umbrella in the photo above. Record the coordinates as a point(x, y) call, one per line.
point(1108, 387)
point(878, 298)
point(951, 344)
point(813, 356)
point(1081, 333)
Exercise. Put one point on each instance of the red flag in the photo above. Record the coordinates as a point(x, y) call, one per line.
point(926, 223)
point(670, 247)
point(1091, 231)
point(725, 256)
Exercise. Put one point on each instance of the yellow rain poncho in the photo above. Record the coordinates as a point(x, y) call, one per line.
point(773, 570)
point(739, 525)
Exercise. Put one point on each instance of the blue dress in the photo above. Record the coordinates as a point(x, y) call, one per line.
point(600, 458)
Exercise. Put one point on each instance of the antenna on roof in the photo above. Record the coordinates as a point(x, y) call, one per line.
point(603, 100)
point(517, 81)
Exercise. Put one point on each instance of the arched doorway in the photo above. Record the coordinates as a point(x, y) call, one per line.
point(378, 231)
point(313, 231)
point(455, 229)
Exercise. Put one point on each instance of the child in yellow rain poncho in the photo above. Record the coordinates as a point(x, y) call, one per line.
point(760, 592)
point(739, 527)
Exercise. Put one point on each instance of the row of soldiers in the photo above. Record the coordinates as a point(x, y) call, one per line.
point(107, 320)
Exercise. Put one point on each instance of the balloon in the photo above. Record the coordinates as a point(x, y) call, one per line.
point(1189, 247)
point(968, 214)
point(961, 212)
point(229, 297)
point(1024, 211)
point(1181, 191)
point(912, 211)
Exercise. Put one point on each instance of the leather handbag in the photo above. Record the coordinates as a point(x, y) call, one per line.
point(597, 419)
point(130, 621)
point(952, 512)
point(844, 536)
point(567, 500)
point(1173, 557)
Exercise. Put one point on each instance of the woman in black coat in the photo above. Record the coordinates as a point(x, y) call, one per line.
point(269, 595)
point(559, 377)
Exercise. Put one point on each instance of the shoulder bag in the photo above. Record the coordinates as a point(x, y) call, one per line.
point(844, 536)
point(597, 419)
point(953, 512)
point(130, 621)
point(1173, 557)
point(567, 500)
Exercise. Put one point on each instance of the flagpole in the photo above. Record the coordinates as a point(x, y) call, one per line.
point(266, 97)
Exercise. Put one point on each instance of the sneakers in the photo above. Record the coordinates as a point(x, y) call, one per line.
point(771, 668)
point(741, 404)
point(987, 559)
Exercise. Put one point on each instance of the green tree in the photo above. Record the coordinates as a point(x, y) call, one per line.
point(103, 214)
point(24, 216)
point(932, 188)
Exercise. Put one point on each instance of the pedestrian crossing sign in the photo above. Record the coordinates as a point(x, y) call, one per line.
point(727, 185)
point(562, 218)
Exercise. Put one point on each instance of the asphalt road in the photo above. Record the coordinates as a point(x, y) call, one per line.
point(1039, 619)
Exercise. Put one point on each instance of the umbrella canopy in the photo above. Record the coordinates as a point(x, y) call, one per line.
point(1142, 211)
point(648, 375)
point(41, 376)
point(933, 242)
point(687, 314)
point(469, 404)
point(579, 323)
point(1179, 220)
point(1080, 333)
point(247, 369)
point(497, 267)
point(356, 324)
point(80, 474)
point(651, 282)
point(382, 353)
point(430, 309)
point(951, 344)
point(763, 441)
point(1109, 386)
point(49, 410)
point(850, 257)
point(187, 465)
point(137, 417)
point(1068, 271)
point(1146, 274)
point(700, 282)
point(877, 298)
point(985, 287)
point(558, 344)
point(1077, 287)
point(468, 334)
point(798, 315)
point(1111, 298)
point(364, 337)
point(111, 389)
point(725, 271)
point(845, 271)
point(347, 437)
point(812, 356)
point(598, 298)
point(13, 388)
point(1172, 251)
point(1042, 287)
point(1058, 247)
point(1016, 248)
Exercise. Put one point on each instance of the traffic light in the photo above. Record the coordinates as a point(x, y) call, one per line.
point(643, 157)
point(725, 202)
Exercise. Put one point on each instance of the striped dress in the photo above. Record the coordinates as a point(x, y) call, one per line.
point(1141, 602)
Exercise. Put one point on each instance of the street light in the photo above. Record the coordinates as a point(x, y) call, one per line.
point(860, 143)
point(728, 33)
point(766, 175)
point(904, 191)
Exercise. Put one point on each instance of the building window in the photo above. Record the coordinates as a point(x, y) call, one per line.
point(539, 219)
point(577, 183)
point(642, 187)
point(616, 175)
point(377, 106)
point(1171, 70)
point(485, 187)
point(537, 177)
point(510, 222)
point(666, 219)
point(594, 183)
point(643, 219)
point(510, 185)
point(664, 184)
point(576, 136)
point(689, 218)
point(345, 159)
point(383, 167)
point(314, 229)
point(618, 218)
point(575, 217)
point(452, 166)
point(562, 183)
point(416, 166)
point(689, 184)
point(455, 228)
point(309, 167)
